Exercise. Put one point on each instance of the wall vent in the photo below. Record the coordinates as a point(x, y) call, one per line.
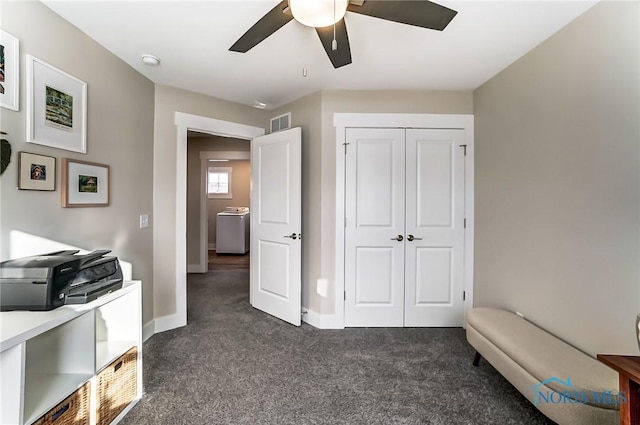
point(281, 122)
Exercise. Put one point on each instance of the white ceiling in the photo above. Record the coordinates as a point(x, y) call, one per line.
point(192, 39)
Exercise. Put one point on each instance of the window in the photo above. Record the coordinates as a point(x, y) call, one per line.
point(219, 182)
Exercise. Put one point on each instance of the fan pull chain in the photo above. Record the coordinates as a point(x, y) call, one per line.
point(334, 43)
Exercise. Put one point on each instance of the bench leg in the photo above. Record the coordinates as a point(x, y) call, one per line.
point(476, 359)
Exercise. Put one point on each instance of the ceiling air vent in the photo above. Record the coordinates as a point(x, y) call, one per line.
point(281, 122)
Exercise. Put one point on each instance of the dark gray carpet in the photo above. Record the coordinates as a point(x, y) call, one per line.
point(235, 365)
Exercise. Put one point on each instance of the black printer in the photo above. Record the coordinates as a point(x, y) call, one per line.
point(44, 282)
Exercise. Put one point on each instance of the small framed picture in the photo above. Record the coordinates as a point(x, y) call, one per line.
point(84, 184)
point(56, 107)
point(36, 172)
point(9, 71)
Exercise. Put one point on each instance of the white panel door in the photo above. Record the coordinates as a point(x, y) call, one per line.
point(434, 250)
point(374, 264)
point(275, 286)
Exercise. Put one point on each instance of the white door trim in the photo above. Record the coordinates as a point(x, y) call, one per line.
point(202, 124)
point(341, 122)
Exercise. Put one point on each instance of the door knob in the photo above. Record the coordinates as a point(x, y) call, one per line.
point(398, 238)
point(413, 238)
point(292, 236)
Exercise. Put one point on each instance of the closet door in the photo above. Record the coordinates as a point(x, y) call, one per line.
point(374, 228)
point(434, 250)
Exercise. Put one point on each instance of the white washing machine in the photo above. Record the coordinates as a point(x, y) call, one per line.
point(232, 231)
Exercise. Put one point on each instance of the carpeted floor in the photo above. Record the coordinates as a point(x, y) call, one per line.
point(233, 364)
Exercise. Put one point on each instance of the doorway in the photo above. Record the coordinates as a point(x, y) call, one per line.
point(185, 122)
point(208, 154)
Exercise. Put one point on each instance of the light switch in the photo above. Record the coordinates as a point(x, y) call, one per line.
point(144, 221)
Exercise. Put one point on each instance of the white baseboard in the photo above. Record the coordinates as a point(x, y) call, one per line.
point(321, 321)
point(148, 330)
point(212, 246)
point(166, 323)
point(196, 268)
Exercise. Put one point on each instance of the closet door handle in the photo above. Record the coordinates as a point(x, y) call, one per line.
point(398, 238)
point(292, 236)
point(411, 238)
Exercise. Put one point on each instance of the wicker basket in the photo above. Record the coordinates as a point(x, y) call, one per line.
point(74, 410)
point(117, 387)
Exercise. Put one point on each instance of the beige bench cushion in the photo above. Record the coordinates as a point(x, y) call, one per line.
point(545, 356)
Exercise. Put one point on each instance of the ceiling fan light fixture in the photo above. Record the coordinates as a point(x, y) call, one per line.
point(318, 13)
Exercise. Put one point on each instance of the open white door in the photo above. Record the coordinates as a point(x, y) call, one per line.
point(276, 224)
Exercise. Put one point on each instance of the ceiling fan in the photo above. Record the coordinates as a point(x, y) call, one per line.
point(326, 16)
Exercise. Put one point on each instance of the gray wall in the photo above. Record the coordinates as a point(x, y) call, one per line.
point(314, 114)
point(241, 185)
point(168, 101)
point(120, 134)
point(558, 183)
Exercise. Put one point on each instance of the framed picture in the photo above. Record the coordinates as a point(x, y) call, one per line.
point(9, 71)
point(84, 184)
point(56, 107)
point(36, 172)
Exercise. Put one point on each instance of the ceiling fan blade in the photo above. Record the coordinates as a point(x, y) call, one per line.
point(267, 25)
point(342, 56)
point(420, 13)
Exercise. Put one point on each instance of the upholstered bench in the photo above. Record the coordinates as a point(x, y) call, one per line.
point(565, 384)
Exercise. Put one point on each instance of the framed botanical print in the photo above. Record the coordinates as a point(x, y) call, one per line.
point(84, 184)
point(56, 107)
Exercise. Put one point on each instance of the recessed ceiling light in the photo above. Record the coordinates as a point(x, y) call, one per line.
point(150, 60)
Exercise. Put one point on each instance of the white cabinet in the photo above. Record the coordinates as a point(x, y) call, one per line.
point(115, 332)
point(57, 362)
point(46, 356)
